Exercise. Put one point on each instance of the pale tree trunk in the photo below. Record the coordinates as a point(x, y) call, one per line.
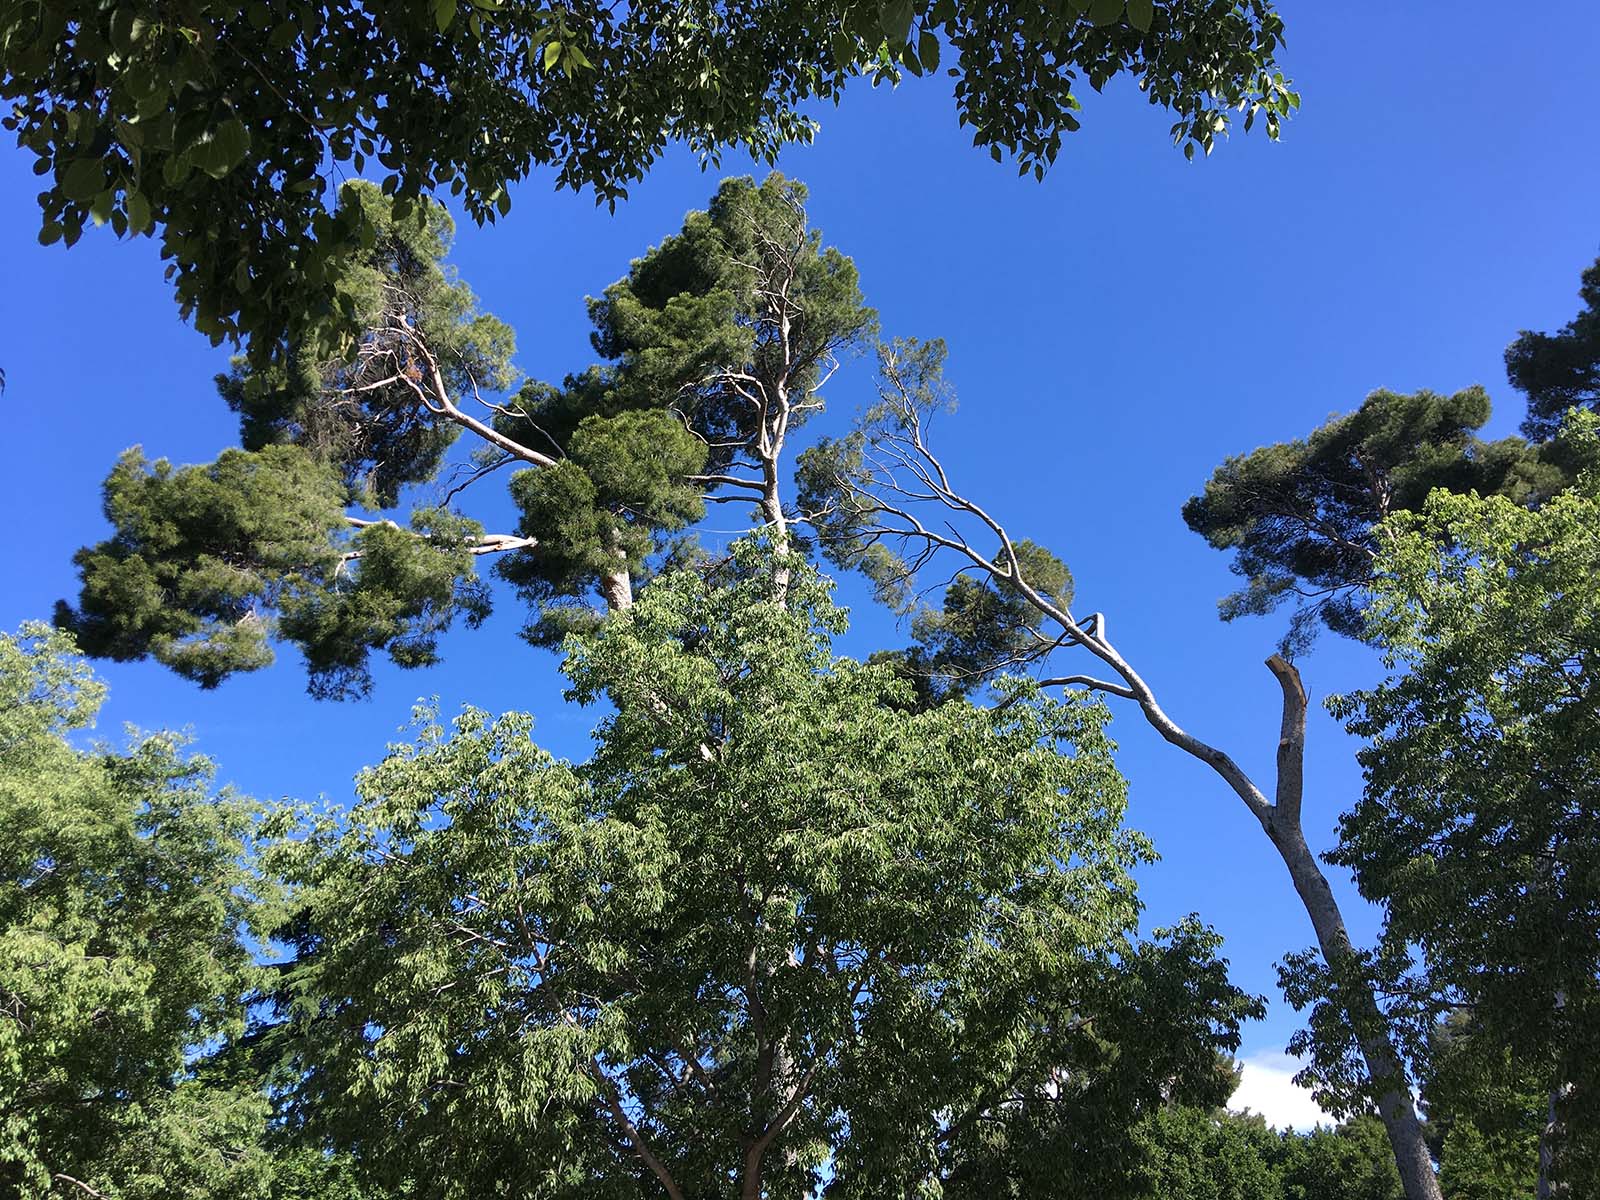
point(905, 447)
point(1395, 1104)
point(1545, 1190)
point(772, 513)
point(616, 585)
point(617, 588)
point(1549, 1134)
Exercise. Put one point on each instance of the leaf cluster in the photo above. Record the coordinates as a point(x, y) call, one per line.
point(209, 563)
point(1301, 518)
point(776, 920)
point(156, 120)
point(1561, 370)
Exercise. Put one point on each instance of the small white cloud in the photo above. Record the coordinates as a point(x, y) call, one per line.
point(1267, 1088)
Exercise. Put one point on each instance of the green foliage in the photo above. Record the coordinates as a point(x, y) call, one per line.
point(1083, 1137)
point(717, 344)
point(209, 564)
point(1353, 1162)
point(1191, 1154)
point(363, 413)
point(198, 551)
point(605, 509)
point(203, 558)
point(775, 920)
point(729, 323)
point(1485, 1113)
point(155, 121)
point(1301, 517)
point(1477, 827)
point(836, 475)
point(1561, 370)
point(411, 586)
point(121, 903)
point(1188, 1152)
point(984, 624)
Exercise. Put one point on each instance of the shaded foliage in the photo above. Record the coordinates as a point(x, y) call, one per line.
point(1558, 371)
point(155, 120)
point(355, 413)
point(1301, 518)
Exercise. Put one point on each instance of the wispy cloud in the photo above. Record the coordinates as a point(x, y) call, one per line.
point(1267, 1088)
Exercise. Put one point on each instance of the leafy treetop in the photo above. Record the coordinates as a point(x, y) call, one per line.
point(1302, 517)
point(716, 347)
point(159, 121)
point(1558, 371)
point(775, 924)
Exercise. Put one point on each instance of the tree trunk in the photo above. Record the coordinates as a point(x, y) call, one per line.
point(617, 588)
point(1546, 1188)
point(617, 585)
point(772, 511)
point(1395, 1105)
point(1281, 822)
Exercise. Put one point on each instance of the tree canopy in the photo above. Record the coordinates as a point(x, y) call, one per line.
point(715, 347)
point(1558, 371)
point(1190, 1154)
point(776, 923)
point(125, 889)
point(1301, 518)
point(1477, 827)
point(161, 122)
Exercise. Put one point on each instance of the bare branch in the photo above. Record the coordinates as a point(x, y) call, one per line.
point(62, 1177)
point(635, 1138)
point(1093, 684)
point(1291, 741)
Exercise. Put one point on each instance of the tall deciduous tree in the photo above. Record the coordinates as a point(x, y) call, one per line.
point(881, 484)
point(157, 120)
point(779, 934)
point(1479, 828)
point(121, 901)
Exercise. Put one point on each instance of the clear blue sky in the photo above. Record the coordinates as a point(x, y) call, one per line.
point(1114, 332)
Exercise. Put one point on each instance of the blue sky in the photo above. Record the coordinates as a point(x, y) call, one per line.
point(1114, 333)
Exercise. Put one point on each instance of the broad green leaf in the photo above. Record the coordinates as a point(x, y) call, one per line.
point(1105, 12)
point(138, 209)
point(83, 179)
point(894, 18)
